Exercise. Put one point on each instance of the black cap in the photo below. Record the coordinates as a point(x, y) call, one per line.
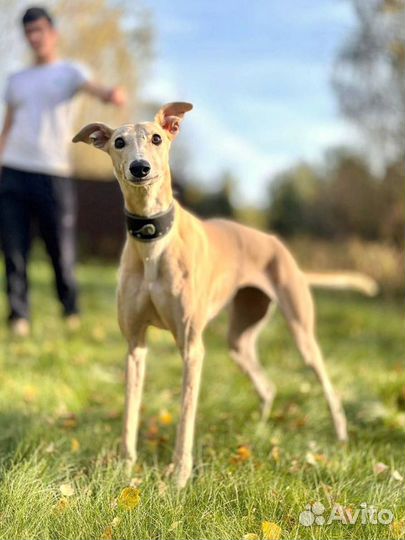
point(34, 14)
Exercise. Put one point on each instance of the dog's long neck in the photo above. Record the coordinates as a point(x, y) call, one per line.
point(150, 200)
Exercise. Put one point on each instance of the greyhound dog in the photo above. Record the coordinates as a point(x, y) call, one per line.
point(177, 272)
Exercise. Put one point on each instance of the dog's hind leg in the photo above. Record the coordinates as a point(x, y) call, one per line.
point(249, 313)
point(295, 301)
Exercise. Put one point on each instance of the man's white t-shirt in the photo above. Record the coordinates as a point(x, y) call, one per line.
point(42, 100)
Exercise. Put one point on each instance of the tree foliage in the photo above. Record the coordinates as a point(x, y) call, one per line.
point(369, 76)
point(339, 199)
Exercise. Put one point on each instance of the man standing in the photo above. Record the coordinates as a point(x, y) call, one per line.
point(34, 153)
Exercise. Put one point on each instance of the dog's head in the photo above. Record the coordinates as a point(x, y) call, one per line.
point(139, 152)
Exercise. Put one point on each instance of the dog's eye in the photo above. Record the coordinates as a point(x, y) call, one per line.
point(119, 142)
point(156, 139)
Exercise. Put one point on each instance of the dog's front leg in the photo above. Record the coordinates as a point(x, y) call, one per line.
point(135, 373)
point(193, 355)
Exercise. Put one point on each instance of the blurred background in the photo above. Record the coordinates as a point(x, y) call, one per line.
point(298, 124)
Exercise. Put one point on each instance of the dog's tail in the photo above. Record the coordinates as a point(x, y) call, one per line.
point(343, 281)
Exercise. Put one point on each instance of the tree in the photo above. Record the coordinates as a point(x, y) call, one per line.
point(369, 76)
point(116, 48)
point(292, 196)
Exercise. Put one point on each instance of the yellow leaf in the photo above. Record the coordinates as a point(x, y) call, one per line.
point(67, 490)
point(61, 505)
point(398, 529)
point(250, 536)
point(30, 393)
point(270, 530)
point(74, 446)
point(275, 453)
point(244, 453)
point(107, 533)
point(165, 418)
point(129, 498)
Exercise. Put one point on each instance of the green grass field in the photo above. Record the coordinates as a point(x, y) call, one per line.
point(61, 405)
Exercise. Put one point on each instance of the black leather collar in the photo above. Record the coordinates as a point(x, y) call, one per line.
point(147, 229)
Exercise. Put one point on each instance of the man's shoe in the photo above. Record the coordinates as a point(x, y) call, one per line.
point(73, 322)
point(20, 327)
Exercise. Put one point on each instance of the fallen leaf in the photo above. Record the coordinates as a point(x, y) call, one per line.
point(165, 418)
point(275, 453)
point(107, 533)
point(380, 468)
point(50, 448)
point(61, 505)
point(398, 529)
point(396, 475)
point(243, 453)
point(67, 490)
point(250, 536)
point(295, 466)
point(314, 459)
point(115, 522)
point(129, 498)
point(174, 525)
point(74, 446)
point(69, 421)
point(271, 531)
point(30, 393)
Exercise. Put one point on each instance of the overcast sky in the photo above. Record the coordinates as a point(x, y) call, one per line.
point(259, 75)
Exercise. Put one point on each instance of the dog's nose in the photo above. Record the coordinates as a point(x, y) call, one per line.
point(139, 168)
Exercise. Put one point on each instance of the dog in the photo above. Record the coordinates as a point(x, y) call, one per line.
point(178, 272)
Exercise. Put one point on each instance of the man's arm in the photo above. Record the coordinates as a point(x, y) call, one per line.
point(116, 95)
point(7, 123)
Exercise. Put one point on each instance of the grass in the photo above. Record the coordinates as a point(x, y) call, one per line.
point(61, 404)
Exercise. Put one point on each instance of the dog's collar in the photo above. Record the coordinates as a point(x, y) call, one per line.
point(147, 229)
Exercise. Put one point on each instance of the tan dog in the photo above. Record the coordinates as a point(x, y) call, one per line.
point(180, 279)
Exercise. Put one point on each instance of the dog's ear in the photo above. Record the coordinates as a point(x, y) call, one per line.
point(171, 115)
point(96, 134)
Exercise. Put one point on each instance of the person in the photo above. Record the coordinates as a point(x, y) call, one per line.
point(35, 176)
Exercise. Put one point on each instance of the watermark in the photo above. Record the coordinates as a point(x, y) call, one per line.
point(316, 514)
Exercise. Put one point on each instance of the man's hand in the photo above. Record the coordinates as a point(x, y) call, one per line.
point(116, 95)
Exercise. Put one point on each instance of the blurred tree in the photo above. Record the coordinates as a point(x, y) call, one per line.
point(340, 199)
point(292, 194)
point(206, 203)
point(369, 76)
point(350, 197)
point(115, 45)
point(392, 205)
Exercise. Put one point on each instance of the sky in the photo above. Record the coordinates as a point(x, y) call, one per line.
point(259, 76)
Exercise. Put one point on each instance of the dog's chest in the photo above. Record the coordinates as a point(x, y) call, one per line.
point(162, 283)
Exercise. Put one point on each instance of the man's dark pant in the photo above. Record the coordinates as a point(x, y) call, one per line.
point(51, 201)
